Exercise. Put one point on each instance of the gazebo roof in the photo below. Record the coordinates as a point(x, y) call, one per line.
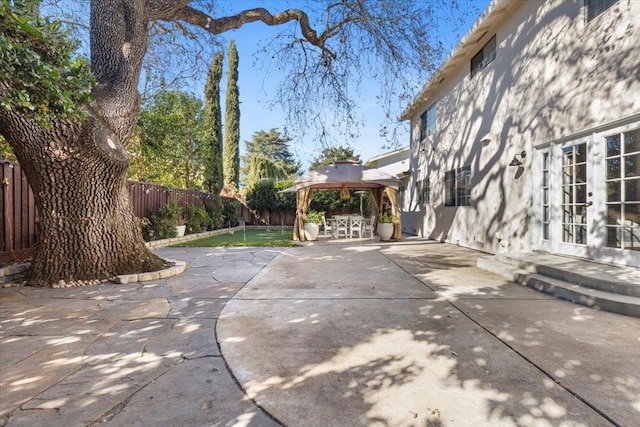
point(345, 173)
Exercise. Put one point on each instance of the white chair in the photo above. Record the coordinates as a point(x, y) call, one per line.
point(328, 229)
point(342, 226)
point(355, 226)
point(368, 228)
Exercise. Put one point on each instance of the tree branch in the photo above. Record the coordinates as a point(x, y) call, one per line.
point(226, 23)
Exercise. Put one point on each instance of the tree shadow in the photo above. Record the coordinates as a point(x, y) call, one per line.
point(124, 354)
point(492, 356)
point(535, 91)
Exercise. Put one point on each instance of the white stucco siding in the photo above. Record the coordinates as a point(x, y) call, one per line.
point(554, 75)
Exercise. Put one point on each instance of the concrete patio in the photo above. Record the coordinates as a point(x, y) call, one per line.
point(338, 334)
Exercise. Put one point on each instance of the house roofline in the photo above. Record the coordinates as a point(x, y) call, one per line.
point(471, 42)
point(382, 156)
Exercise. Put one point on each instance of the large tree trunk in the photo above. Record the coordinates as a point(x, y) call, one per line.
point(86, 229)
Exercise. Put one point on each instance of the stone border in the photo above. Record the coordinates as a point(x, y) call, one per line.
point(11, 274)
point(177, 268)
point(174, 240)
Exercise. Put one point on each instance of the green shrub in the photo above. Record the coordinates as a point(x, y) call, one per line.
point(230, 212)
point(165, 220)
point(197, 219)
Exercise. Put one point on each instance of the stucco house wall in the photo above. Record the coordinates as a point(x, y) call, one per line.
point(555, 77)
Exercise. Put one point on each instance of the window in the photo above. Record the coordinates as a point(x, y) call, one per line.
point(596, 7)
point(623, 190)
point(457, 184)
point(423, 191)
point(428, 123)
point(484, 56)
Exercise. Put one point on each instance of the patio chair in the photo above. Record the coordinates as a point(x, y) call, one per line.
point(355, 226)
point(328, 229)
point(342, 226)
point(368, 227)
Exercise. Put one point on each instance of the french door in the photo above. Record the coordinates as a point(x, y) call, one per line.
point(590, 200)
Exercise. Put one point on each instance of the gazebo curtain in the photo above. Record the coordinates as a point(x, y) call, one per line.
point(392, 194)
point(376, 195)
point(302, 206)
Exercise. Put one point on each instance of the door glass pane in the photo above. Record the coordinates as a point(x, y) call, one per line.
point(613, 240)
point(581, 173)
point(567, 235)
point(581, 234)
point(613, 191)
point(614, 215)
point(613, 168)
point(632, 214)
point(581, 194)
point(632, 190)
point(581, 153)
point(568, 214)
point(567, 159)
point(634, 239)
point(632, 165)
point(632, 141)
point(632, 220)
point(613, 145)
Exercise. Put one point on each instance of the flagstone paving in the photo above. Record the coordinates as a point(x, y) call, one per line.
point(330, 334)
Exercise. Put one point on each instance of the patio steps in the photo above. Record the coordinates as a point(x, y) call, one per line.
point(601, 286)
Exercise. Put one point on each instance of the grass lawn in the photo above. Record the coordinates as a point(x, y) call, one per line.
point(248, 237)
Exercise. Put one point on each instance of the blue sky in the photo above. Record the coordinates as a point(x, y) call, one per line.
point(258, 82)
point(259, 78)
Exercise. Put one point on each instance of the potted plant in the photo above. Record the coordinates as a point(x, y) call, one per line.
point(385, 226)
point(181, 226)
point(312, 222)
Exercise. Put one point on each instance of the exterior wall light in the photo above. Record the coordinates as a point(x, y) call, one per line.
point(518, 159)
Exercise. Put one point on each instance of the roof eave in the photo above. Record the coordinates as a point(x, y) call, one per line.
point(470, 41)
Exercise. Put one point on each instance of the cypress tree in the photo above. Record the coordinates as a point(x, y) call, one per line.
point(232, 122)
point(214, 177)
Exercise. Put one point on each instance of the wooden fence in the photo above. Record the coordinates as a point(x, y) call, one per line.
point(17, 208)
point(19, 214)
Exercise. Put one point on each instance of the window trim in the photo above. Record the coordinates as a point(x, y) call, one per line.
point(598, 7)
point(454, 193)
point(486, 57)
point(428, 122)
point(423, 189)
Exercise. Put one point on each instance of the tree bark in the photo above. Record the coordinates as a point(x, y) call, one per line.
point(86, 227)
